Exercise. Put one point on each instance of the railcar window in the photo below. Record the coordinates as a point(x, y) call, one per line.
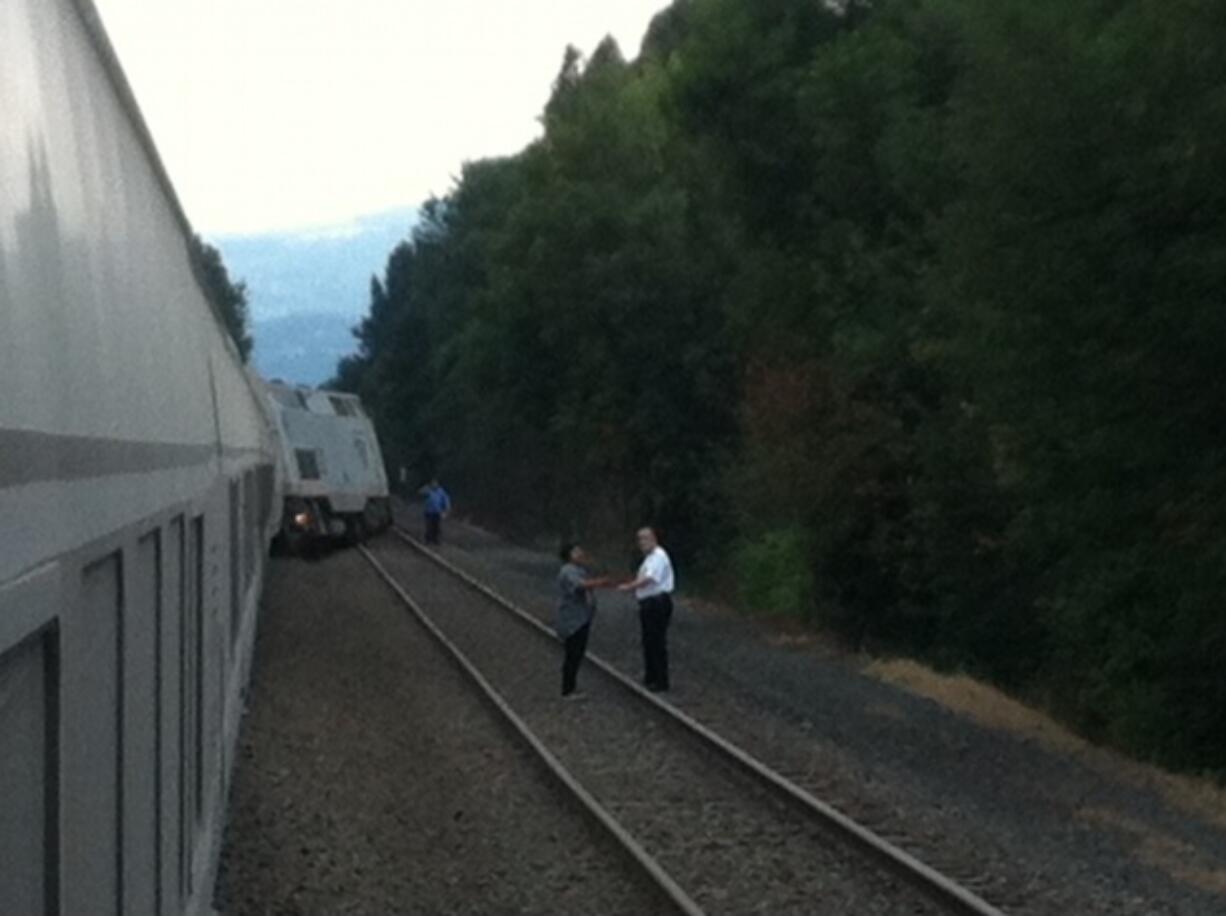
point(236, 559)
point(265, 483)
point(27, 727)
point(197, 637)
point(251, 519)
point(142, 673)
point(174, 879)
point(308, 463)
point(93, 727)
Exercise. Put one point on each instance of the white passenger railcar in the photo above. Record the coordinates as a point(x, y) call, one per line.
point(137, 497)
point(334, 483)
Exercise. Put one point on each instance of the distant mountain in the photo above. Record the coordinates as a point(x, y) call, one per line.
point(302, 348)
point(307, 288)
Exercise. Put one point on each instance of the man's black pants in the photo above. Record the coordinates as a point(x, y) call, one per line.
point(576, 647)
point(654, 615)
point(433, 528)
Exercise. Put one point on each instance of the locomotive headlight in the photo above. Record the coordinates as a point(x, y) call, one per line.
point(303, 519)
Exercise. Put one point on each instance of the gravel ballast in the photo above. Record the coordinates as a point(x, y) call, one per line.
point(734, 848)
point(373, 780)
point(1035, 829)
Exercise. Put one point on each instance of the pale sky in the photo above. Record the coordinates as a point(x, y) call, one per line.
point(276, 114)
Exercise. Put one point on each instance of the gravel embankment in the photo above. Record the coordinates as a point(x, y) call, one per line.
point(372, 780)
point(734, 848)
point(1036, 830)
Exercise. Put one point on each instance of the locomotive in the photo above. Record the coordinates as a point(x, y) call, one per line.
point(333, 480)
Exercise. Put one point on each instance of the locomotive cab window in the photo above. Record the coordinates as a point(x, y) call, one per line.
point(308, 463)
point(342, 407)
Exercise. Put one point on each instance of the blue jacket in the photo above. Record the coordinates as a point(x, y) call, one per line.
point(437, 501)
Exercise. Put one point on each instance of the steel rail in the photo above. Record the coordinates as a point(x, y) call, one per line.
point(655, 871)
point(940, 888)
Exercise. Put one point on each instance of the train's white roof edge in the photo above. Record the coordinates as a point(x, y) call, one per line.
point(96, 31)
point(296, 386)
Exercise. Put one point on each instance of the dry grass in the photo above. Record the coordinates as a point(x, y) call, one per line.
point(989, 707)
point(978, 701)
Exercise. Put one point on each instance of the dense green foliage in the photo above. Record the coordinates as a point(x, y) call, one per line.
point(228, 297)
point(906, 317)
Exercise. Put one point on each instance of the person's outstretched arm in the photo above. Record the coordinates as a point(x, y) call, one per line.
point(598, 582)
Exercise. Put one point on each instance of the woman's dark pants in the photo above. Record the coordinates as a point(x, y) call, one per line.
point(576, 646)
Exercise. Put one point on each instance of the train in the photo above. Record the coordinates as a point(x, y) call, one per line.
point(333, 481)
point(143, 478)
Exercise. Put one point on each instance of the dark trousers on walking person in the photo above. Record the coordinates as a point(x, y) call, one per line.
point(654, 616)
point(575, 646)
point(434, 528)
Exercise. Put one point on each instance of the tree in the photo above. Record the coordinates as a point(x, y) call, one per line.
point(907, 311)
point(227, 297)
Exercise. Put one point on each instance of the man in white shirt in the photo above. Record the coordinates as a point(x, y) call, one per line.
point(653, 587)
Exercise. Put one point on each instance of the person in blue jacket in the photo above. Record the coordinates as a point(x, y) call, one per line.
point(438, 504)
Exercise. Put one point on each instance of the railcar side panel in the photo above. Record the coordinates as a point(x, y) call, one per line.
point(137, 480)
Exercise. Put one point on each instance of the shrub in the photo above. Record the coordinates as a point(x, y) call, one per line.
point(775, 574)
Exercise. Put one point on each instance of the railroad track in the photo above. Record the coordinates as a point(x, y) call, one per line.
point(716, 829)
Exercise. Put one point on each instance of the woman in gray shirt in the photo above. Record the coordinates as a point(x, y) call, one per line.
point(576, 607)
